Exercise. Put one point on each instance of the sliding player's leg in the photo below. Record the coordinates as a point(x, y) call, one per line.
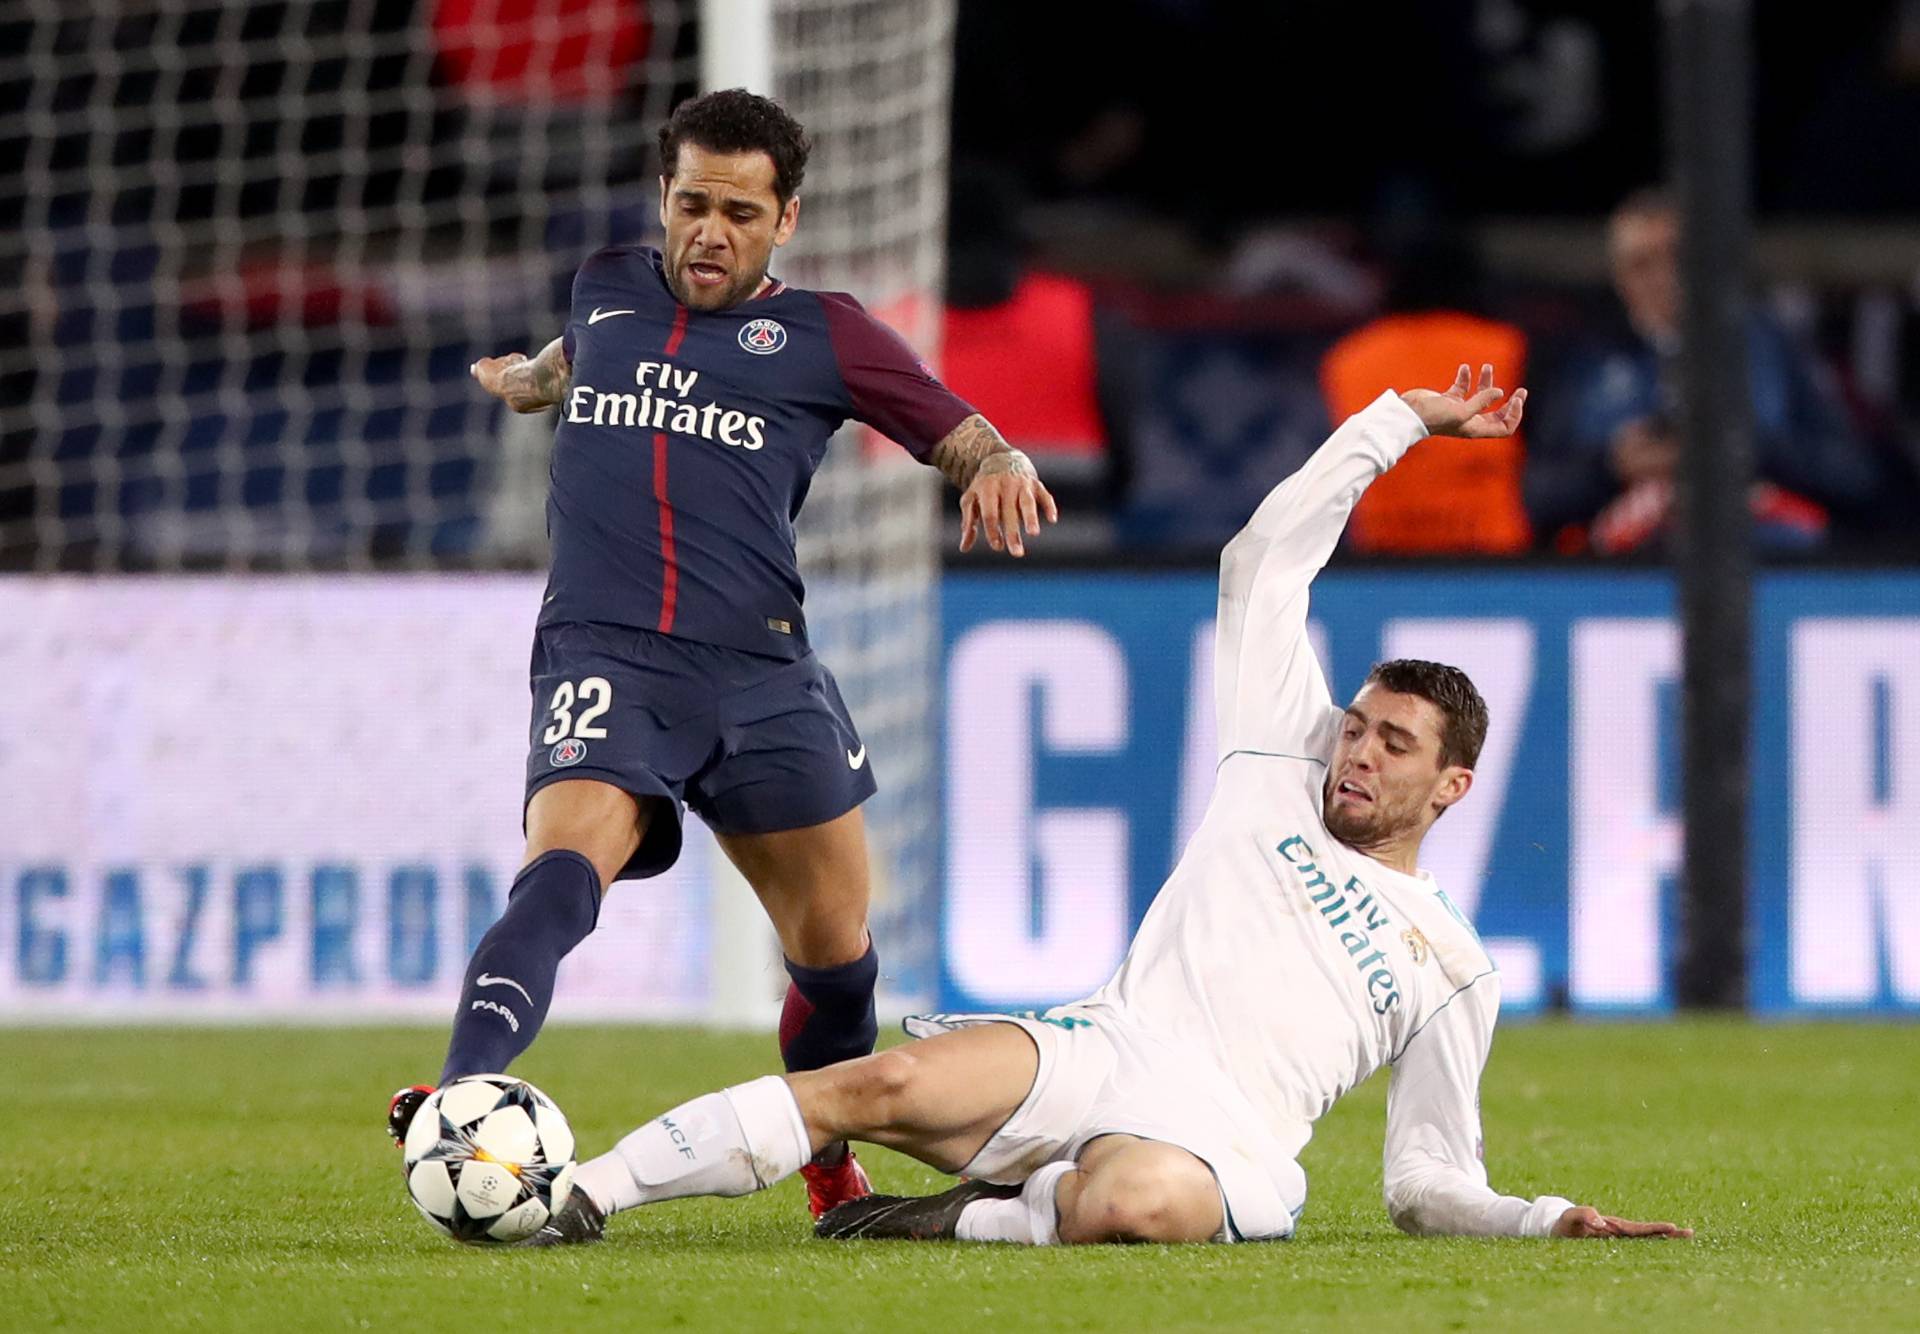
point(1120, 1188)
point(1124, 1188)
point(1124, 1138)
point(939, 1100)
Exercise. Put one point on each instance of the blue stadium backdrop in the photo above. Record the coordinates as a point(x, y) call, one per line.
point(1079, 752)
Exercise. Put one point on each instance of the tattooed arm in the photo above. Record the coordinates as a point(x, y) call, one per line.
point(969, 445)
point(1000, 492)
point(523, 384)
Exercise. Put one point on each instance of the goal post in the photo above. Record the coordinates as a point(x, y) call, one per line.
point(745, 979)
point(870, 79)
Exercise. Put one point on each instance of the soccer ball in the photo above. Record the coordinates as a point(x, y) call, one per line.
point(489, 1159)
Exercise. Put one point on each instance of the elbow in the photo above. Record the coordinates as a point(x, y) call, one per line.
point(1235, 551)
point(1427, 1203)
point(1403, 1207)
point(1241, 556)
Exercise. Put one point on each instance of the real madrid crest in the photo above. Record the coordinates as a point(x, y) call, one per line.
point(1416, 945)
point(763, 337)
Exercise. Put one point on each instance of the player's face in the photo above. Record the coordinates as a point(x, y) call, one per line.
point(1386, 780)
point(723, 221)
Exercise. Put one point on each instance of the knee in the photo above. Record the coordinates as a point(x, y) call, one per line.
point(1152, 1200)
point(882, 1086)
point(826, 935)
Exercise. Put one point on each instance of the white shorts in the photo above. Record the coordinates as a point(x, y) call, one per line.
point(1100, 1075)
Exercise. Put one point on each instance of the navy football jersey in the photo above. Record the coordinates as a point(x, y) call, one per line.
point(688, 440)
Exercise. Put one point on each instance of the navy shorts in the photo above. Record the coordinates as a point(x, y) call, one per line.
point(753, 744)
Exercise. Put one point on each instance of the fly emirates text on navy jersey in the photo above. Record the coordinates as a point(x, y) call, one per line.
point(666, 401)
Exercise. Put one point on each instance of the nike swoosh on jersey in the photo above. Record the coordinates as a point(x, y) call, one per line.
point(599, 314)
point(489, 980)
point(857, 758)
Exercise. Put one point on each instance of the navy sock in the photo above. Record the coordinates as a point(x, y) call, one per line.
point(829, 1015)
point(551, 908)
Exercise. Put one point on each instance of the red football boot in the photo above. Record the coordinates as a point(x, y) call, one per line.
point(831, 1186)
point(400, 1110)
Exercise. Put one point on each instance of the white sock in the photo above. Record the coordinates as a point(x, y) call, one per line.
point(733, 1142)
point(1030, 1218)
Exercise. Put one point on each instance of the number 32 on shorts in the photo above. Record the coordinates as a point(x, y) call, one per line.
point(594, 696)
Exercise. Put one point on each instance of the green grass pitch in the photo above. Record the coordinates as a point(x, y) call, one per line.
point(239, 1179)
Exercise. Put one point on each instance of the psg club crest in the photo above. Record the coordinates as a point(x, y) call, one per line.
point(570, 751)
point(763, 338)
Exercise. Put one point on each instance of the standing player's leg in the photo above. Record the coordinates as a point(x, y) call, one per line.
point(604, 779)
point(784, 801)
point(580, 833)
point(813, 883)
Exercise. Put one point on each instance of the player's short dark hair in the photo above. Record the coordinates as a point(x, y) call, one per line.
point(1447, 689)
point(734, 120)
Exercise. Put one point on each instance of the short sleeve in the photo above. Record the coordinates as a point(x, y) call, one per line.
point(889, 387)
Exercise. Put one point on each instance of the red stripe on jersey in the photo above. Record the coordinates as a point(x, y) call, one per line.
point(670, 567)
point(670, 572)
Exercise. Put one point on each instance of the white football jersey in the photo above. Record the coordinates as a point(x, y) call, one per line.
point(1297, 964)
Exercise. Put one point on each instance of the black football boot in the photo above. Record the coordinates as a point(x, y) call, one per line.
point(578, 1223)
point(907, 1217)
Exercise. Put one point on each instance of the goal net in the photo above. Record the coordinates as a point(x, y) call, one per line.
point(870, 81)
point(248, 251)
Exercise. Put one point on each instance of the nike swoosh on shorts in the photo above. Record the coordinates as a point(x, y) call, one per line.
point(857, 758)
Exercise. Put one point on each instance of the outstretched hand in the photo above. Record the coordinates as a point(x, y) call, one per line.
point(1466, 410)
point(514, 380)
point(1584, 1223)
point(1004, 499)
point(527, 384)
point(491, 372)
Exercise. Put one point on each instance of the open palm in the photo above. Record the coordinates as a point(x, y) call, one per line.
point(1466, 410)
